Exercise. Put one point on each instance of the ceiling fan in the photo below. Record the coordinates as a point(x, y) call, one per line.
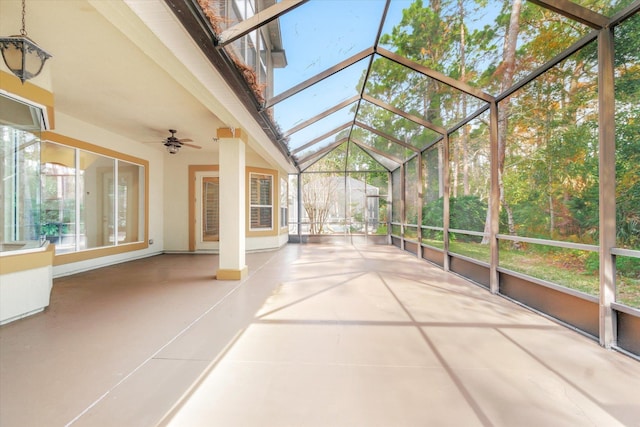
point(174, 144)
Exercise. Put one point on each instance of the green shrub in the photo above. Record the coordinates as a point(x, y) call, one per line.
point(628, 267)
point(625, 266)
point(467, 213)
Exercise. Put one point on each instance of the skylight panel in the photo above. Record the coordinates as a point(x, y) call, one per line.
point(320, 145)
point(320, 97)
point(380, 143)
point(321, 34)
point(396, 125)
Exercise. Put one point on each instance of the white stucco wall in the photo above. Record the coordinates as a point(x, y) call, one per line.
point(176, 203)
point(168, 192)
point(254, 160)
point(24, 293)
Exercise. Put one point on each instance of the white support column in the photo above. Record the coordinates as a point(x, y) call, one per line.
point(232, 264)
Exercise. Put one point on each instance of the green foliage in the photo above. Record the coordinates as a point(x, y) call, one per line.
point(628, 217)
point(551, 164)
point(592, 263)
point(49, 229)
point(334, 161)
point(627, 39)
point(381, 230)
point(467, 213)
point(625, 266)
point(549, 127)
point(358, 159)
point(628, 267)
point(628, 176)
point(432, 213)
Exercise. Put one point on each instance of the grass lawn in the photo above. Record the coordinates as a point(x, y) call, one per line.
point(565, 267)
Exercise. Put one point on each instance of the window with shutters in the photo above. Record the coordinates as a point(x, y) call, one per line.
point(261, 204)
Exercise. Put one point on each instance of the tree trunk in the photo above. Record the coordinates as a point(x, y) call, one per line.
point(318, 196)
point(441, 170)
point(508, 65)
point(454, 184)
point(463, 78)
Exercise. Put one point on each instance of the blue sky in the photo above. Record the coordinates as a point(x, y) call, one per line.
point(320, 34)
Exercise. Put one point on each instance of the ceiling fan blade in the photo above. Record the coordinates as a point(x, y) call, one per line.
point(191, 145)
point(183, 140)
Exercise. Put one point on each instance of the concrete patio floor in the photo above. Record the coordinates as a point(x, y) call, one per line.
point(317, 335)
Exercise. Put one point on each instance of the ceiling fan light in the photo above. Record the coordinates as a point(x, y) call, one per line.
point(172, 149)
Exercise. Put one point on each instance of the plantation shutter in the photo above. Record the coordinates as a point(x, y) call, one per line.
point(261, 201)
point(210, 209)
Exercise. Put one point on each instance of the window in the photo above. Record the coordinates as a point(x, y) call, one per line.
point(90, 200)
point(261, 206)
point(20, 127)
point(59, 190)
point(71, 193)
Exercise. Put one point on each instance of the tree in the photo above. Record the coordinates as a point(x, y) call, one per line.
point(318, 196)
point(627, 62)
point(506, 70)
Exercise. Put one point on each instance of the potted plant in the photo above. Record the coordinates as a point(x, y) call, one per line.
point(50, 229)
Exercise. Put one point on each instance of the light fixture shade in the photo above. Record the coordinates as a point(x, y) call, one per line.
point(23, 57)
point(172, 149)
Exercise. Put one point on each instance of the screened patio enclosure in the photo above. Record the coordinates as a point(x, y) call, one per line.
point(498, 139)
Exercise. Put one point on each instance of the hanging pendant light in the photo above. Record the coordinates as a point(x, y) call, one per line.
point(22, 55)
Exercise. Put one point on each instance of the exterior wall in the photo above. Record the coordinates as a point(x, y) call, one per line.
point(254, 160)
point(265, 243)
point(168, 193)
point(176, 199)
